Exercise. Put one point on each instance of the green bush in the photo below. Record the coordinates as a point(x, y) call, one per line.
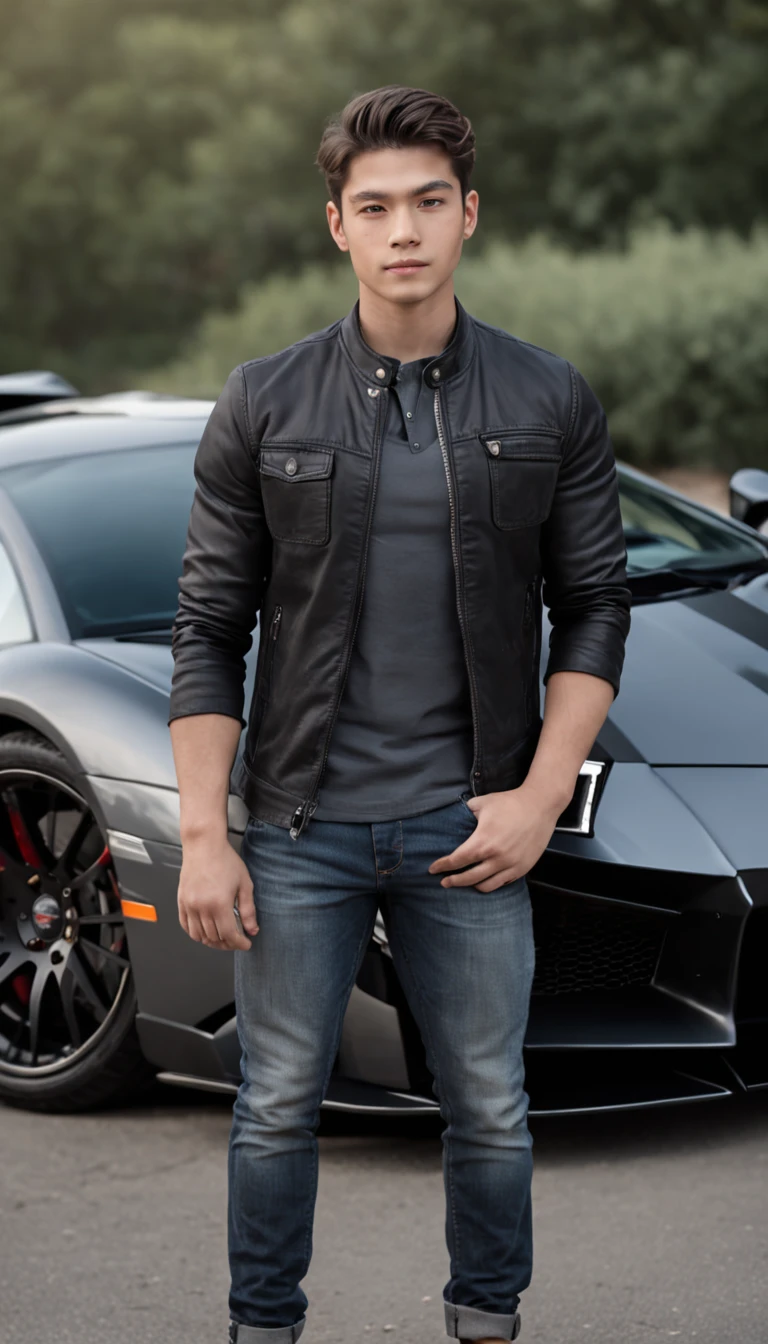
point(672, 334)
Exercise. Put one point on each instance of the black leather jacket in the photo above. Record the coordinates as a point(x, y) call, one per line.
point(286, 476)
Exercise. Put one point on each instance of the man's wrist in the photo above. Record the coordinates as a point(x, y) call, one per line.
point(204, 832)
point(551, 795)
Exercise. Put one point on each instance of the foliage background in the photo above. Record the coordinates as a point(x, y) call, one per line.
point(161, 218)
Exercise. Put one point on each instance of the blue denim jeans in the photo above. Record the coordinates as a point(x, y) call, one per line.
point(465, 960)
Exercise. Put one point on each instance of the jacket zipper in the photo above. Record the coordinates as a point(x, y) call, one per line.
point(527, 619)
point(528, 608)
point(307, 809)
point(475, 772)
point(266, 675)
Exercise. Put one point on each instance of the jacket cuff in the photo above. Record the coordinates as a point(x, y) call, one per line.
point(207, 707)
point(571, 659)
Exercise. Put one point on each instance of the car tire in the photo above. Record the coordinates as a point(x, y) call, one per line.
point(104, 1067)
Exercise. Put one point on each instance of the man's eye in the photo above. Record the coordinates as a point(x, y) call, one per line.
point(432, 200)
point(371, 207)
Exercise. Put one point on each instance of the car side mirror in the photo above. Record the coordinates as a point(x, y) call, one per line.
point(749, 497)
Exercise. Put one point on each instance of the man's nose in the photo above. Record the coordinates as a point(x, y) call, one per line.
point(404, 229)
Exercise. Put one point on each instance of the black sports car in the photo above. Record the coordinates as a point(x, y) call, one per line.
point(650, 903)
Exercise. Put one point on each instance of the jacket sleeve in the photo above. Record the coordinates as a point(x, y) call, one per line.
point(224, 568)
point(584, 551)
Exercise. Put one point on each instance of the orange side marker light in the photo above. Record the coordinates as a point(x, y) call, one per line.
point(139, 910)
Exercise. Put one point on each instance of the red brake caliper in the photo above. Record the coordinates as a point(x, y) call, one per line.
point(22, 986)
point(21, 835)
point(21, 983)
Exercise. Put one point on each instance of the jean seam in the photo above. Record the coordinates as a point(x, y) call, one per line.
point(386, 872)
point(332, 1056)
point(442, 1095)
point(309, 1216)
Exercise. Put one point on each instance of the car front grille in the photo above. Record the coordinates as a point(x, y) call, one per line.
point(582, 945)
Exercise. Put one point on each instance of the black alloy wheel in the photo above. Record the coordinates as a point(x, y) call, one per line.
point(67, 1003)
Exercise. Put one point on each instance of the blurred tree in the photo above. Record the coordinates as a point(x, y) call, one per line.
point(156, 155)
point(670, 332)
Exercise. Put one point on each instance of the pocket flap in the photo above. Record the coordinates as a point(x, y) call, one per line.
point(296, 464)
point(540, 443)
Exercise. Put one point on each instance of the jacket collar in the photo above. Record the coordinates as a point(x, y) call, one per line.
point(381, 370)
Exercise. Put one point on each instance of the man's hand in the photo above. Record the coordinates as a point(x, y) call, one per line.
point(513, 830)
point(213, 879)
point(514, 827)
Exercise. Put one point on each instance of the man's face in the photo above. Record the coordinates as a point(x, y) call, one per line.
point(400, 206)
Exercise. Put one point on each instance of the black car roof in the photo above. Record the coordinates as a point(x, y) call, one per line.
point(81, 425)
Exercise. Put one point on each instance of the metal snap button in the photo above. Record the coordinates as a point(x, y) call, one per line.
point(494, 447)
point(381, 373)
point(291, 466)
point(409, 415)
point(373, 391)
point(436, 375)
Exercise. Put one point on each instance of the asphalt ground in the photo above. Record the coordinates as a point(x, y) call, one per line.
point(648, 1225)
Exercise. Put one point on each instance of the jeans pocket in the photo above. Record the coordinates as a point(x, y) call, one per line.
point(463, 800)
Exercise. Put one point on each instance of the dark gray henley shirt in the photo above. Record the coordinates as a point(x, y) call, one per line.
point(402, 742)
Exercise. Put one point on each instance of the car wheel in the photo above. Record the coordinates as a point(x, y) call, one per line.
point(67, 1001)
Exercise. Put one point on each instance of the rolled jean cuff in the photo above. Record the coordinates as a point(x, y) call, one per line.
point(261, 1334)
point(470, 1323)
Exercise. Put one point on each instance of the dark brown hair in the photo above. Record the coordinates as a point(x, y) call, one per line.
point(394, 117)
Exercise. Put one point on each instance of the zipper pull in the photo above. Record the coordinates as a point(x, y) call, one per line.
point(300, 818)
point(276, 621)
point(297, 821)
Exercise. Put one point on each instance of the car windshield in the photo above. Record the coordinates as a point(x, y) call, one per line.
point(112, 529)
point(664, 532)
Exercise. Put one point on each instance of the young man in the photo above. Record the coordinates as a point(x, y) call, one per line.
point(394, 496)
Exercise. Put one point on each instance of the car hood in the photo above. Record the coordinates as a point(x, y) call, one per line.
point(152, 663)
point(694, 688)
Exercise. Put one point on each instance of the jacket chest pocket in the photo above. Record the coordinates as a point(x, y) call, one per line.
point(296, 490)
point(523, 466)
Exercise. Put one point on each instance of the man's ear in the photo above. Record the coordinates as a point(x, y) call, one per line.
point(470, 213)
point(333, 215)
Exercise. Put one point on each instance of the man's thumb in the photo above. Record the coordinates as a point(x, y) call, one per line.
point(247, 909)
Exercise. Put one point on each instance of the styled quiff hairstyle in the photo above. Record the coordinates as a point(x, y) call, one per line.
point(394, 117)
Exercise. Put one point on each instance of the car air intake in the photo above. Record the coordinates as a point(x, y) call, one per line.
point(589, 945)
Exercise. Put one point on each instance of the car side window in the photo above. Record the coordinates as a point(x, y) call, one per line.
point(15, 625)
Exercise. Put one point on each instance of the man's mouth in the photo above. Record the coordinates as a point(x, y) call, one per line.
point(406, 265)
